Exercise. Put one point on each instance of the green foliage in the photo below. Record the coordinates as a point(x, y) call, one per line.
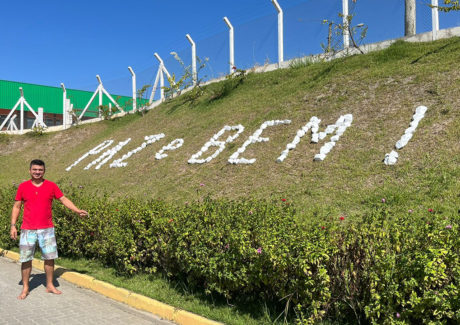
point(106, 111)
point(338, 30)
point(142, 100)
point(37, 131)
point(381, 260)
point(193, 94)
point(449, 5)
point(380, 267)
point(176, 86)
point(301, 62)
point(7, 199)
point(231, 82)
point(397, 51)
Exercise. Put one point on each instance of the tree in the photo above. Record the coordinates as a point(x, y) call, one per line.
point(337, 31)
point(409, 18)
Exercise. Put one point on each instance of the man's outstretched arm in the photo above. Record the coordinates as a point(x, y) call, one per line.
point(69, 205)
point(14, 219)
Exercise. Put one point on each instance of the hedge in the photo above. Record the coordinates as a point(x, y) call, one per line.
point(380, 267)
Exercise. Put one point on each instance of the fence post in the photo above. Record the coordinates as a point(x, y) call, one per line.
point(64, 106)
point(100, 94)
point(410, 15)
point(69, 114)
point(40, 122)
point(12, 124)
point(346, 36)
point(134, 89)
point(435, 19)
point(280, 32)
point(162, 85)
point(195, 78)
point(21, 127)
point(231, 45)
point(157, 78)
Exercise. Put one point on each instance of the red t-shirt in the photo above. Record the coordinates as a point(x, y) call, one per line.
point(37, 203)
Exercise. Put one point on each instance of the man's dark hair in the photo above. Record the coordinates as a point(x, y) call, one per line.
point(38, 162)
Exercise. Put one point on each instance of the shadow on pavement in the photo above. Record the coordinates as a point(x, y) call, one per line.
point(37, 280)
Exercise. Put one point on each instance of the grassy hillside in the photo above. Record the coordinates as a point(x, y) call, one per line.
point(381, 90)
point(340, 252)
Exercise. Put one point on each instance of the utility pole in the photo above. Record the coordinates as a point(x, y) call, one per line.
point(409, 18)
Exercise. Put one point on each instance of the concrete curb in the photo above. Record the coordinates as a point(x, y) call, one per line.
point(132, 299)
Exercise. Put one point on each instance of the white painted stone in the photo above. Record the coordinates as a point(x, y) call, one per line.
point(149, 140)
point(254, 138)
point(93, 151)
point(102, 159)
point(319, 157)
point(391, 158)
point(173, 145)
point(213, 142)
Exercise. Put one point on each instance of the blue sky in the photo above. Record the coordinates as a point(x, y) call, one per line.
point(49, 41)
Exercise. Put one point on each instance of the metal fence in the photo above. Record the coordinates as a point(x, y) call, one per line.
point(257, 42)
point(294, 29)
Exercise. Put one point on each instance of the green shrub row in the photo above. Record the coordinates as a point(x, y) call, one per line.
point(379, 267)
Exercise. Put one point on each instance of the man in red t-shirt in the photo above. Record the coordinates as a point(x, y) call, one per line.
point(37, 195)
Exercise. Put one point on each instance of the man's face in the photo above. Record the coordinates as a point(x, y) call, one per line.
point(37, 171)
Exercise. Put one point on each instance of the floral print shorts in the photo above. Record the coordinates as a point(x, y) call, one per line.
point(46, 241)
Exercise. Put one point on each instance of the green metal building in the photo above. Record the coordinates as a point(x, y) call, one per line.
point(51, 99)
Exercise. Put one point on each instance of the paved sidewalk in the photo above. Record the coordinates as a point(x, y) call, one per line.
point(75, 305)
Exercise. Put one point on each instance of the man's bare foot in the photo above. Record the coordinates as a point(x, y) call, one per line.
point(24, 294)
point(53, 290)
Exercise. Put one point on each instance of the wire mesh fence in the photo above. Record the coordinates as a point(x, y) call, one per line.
point(305, 33)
